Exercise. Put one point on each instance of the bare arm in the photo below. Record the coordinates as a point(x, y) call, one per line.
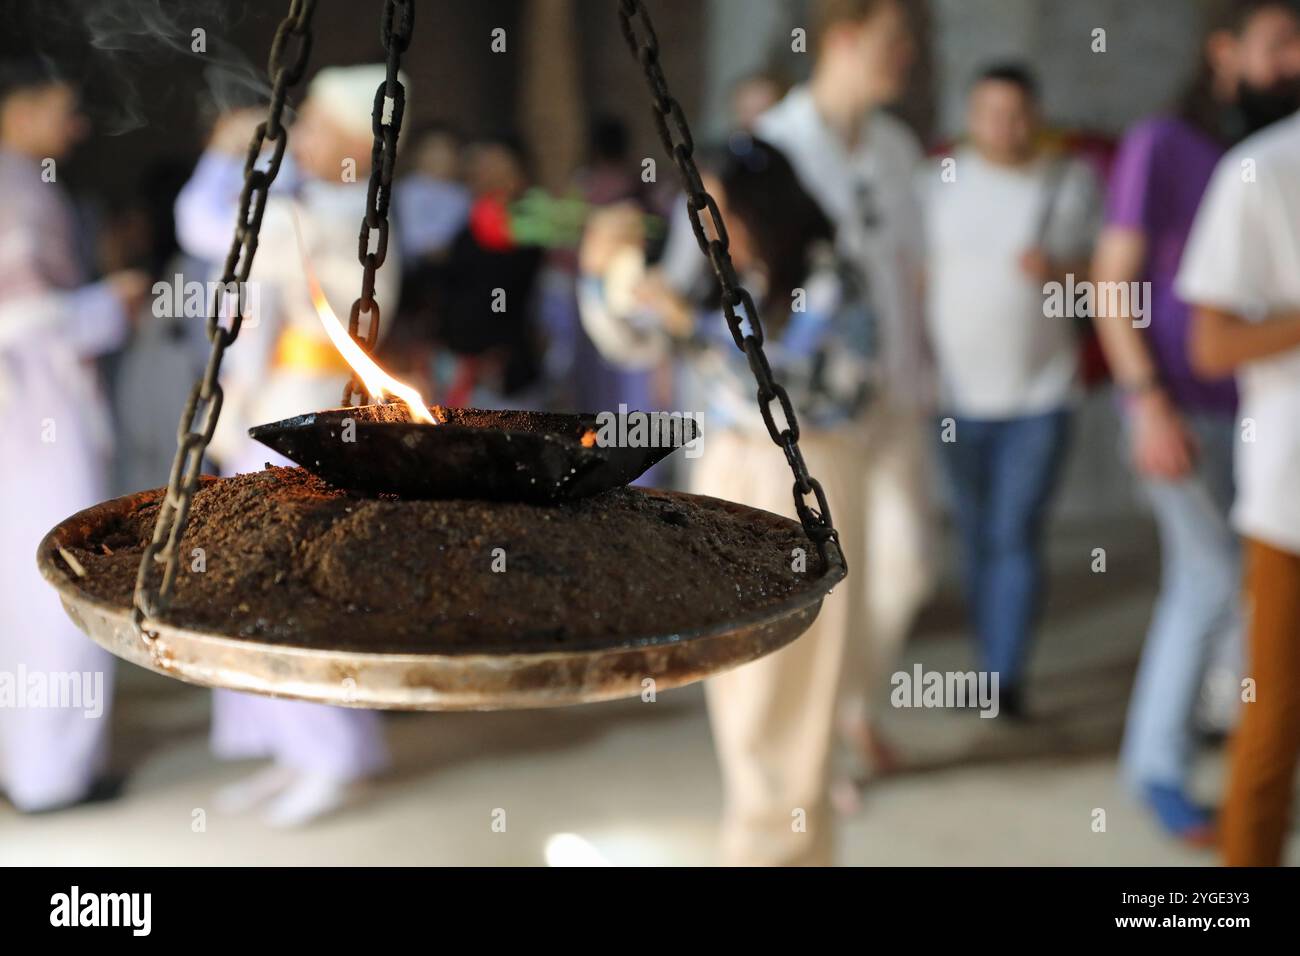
point(1222, 341)
point(1120, 257)
point(1161, 444)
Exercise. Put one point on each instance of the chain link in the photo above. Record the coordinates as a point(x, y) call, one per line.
point(288, 60)
point(670, 122)
point(395, 34)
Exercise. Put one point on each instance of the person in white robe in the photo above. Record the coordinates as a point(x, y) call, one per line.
point(283, 364)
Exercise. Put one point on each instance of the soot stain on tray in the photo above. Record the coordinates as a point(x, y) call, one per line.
point(289, 559)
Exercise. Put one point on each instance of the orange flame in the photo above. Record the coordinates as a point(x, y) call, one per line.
point(377, 381)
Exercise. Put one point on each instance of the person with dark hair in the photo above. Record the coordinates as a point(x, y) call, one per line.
point(773, 718)
point(54, 440)
point(608, 139)
point(1003, 219)
point(1012, 74)
point(1243, 83)
point(1181, 423)
point(487, 320)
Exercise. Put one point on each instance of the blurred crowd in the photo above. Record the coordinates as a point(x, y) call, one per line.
point(935, 316)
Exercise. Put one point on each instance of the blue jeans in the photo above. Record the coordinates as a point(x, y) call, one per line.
point(1197, 608)
point(1003, 474)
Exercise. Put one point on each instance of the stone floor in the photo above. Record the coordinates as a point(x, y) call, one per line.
point(633, 782)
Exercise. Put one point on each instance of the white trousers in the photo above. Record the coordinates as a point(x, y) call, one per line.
point(338, 742)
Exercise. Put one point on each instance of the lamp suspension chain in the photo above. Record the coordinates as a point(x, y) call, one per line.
point(737, 304)
point(385, 122)
point(288, 60)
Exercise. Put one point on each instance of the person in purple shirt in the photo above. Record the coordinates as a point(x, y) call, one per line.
point(1181, 426)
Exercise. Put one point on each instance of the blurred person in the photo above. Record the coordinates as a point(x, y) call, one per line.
point(54, 436)
point(612, 175)
point(751, 96)
point(771, 718)
point(859, 163)
point(431, 201)
point(488, 323)
point(284, 364)
point(1241, 274)
point(1010, 219)
point(430, 207)
point(1181, 424)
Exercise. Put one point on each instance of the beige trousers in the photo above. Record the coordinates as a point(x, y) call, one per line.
point(774, 719)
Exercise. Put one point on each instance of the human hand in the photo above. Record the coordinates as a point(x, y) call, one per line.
point(1162, 445)
point(655, 294)
point(1036, 265)
point(131, 288)
point(610, 230)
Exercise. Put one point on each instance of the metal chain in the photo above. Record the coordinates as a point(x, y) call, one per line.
point(670, 121)
point(204, 403)
point(395, 34)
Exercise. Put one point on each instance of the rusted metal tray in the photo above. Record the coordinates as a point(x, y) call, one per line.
point(426, 681)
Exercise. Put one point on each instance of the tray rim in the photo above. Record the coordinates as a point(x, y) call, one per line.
point(202, 657)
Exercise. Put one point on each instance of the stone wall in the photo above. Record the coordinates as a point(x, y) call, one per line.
point(1152, 49)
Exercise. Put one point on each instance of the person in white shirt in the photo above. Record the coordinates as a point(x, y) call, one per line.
point(1241, 272)
point(774, 720)
point(860, 162)
point(1003, 219)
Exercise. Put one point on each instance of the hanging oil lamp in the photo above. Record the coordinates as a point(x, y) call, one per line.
point(421, 612)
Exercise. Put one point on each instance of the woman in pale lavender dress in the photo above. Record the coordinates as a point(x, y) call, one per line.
point(54, 440)
point(283, 365)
